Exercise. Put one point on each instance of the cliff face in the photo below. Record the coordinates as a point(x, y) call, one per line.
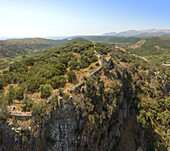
point(56, 133)
point(122, 133)
point(68, 128)
point(61, 130)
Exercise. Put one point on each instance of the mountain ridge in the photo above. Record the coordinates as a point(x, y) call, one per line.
point(126, 33)
point(140, 33)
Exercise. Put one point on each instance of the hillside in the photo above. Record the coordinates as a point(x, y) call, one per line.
point(14, 47)
point(156, 49)
point(84, 95)
point(78, 39)
point(113, 39)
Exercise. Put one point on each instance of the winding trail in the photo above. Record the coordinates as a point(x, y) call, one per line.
point(131, 54)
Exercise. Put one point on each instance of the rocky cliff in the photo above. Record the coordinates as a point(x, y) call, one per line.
point(69, 128)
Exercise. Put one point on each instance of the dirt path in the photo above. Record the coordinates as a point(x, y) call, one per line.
point(131, 54)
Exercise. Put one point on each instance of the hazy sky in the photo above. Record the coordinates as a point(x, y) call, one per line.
point(27, 18)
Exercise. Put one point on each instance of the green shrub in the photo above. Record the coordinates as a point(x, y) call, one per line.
point(11, 94)
point(3, 109)
point(19, 94)
point(58, 81)
point(28, 104)
point(45, 90)
point(54, 102)
point(60, 91)
point(91, 67)
point(39, 111)
point(66, 96)
point(97, 64)
point(71, 76)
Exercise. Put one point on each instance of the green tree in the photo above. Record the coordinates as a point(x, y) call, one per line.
point(71, 76)
point(3, 109)
point(1, 82)
point(19, 94)
point(60, 91)
point(39, 111)
point(58, 81)
point(11, 94)
point(28, 104)
point(45, 90)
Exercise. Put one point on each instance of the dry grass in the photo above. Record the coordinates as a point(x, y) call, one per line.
point(138, 44)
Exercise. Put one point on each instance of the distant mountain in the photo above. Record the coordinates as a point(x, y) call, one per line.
point(5, 38)
point(56, 38)
point(141, 33)
point(110, 34)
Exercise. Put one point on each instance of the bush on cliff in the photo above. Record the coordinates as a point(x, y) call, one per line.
point(39, 111)
point(3, 109)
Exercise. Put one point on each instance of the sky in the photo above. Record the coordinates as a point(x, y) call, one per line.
point(38, 18)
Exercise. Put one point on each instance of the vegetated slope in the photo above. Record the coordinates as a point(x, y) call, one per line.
point(78, 39)
point(14, 47)
point(126, 89)
point(52, 62)
point(113, 39)
point(156, 49)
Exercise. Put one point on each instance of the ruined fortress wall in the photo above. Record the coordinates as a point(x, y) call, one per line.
point(96, 72)
point(78, 86)
point(20, 117)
